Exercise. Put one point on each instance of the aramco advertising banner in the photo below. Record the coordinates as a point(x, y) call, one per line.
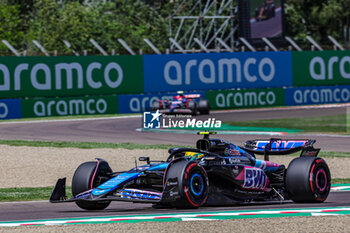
point(70, 76)
point(10, 109)
point(212, 71)
point(93, 105)
point(248, 98)
point(321, 68)
point(317, 95)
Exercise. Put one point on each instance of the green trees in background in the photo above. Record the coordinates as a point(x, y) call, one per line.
point(11, 27)
point(51, 21)
point(317, 18)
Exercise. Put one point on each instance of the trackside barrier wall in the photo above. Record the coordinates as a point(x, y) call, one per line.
point(321, 68)
point(69, 106)
point(266, 78)
point(10, 109)
point(70, 76)
point(248, 98)
point(317, 95)
point(225, 99)
point(212, 71)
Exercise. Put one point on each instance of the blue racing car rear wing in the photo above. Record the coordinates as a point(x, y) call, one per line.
point(277, 146)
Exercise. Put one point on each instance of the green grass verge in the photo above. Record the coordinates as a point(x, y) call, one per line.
point(340, 181)
point(322, 124)
point(28, 194)
point(86, 145)
point(332, 154)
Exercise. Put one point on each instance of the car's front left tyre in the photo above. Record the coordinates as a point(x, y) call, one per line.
point(89, 175)
point(192, 181)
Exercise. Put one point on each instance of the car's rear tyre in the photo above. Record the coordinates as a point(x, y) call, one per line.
point(192, 106)
point(308, 179)
point(88, 176)
point(203, 107)
point(193, 183)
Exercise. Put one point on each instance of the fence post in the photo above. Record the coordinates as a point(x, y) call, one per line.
point(13, 50)
point(98, 47)
point(43, 50)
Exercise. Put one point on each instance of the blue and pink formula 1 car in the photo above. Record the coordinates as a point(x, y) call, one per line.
point(216, 172)
point(192, 104)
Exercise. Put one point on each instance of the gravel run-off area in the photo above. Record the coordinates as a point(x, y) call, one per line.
point(23, 166)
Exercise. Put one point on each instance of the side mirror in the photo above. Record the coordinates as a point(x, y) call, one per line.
point(144, 159)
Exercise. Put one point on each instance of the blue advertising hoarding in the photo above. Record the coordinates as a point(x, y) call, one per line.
point(141, 103)
point(317, 95)
point(214, 71)
point(10, 109)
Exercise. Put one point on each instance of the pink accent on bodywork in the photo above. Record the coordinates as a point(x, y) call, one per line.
point(271, 164)
point(240, 176)
point(93, 176)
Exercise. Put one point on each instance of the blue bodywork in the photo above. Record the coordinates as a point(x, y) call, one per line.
point(123, 178)
point(120, 180)
point(234, 174)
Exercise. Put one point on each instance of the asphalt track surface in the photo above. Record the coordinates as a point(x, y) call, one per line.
point(44, 210)
point(117, 130)
point(124, 130)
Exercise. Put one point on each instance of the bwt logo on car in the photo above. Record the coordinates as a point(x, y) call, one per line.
point(210, 72)
point(254, 179)
point(154, 120)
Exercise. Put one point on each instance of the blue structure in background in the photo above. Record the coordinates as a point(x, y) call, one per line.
point(10, 109)
point(317, 95)
point(215, 71)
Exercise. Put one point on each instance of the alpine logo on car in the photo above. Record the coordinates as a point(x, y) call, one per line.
point(281, 144)
point(254, 179)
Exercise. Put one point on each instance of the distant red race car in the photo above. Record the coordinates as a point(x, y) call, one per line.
point(185, 104)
